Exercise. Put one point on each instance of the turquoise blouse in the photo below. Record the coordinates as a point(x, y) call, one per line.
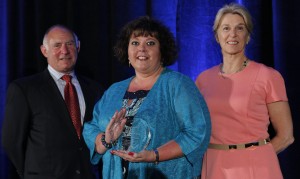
point(174, 109)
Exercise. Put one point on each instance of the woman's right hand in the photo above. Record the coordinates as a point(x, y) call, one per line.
point(112, 132)
point(115, 126)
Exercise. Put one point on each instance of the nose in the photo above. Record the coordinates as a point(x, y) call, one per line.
point(233, 32)
point(142, 47)
point(64, 49)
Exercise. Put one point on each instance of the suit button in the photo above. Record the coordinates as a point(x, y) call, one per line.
point(78, 172)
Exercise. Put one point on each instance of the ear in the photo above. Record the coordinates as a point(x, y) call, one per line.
point(248, 39)
point(44, 51)
point(78, 46)
point(217, 38)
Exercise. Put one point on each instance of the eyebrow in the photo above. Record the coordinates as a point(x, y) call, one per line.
point(147, 38)
point(60, 42)
point(237, 24)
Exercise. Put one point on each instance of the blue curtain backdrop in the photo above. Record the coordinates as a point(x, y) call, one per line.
point(275, 42)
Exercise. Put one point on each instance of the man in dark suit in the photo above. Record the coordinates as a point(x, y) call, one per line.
point(38, 134)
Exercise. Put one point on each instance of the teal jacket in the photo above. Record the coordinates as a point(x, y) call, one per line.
point(174, 109)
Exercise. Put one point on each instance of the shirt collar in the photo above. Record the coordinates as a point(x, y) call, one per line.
point(57, 75)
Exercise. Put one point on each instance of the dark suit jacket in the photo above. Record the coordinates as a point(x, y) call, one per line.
point(38, 135)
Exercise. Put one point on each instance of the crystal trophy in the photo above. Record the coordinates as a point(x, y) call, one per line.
point(140, 136)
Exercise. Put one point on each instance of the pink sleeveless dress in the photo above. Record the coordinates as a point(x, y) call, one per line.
point(239, 114)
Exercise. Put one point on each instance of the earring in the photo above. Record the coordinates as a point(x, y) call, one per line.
point(128, 62)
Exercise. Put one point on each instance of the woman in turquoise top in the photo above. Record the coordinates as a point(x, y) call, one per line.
point(155, 124)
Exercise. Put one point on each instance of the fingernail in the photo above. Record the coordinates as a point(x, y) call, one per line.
point(112, 152)
point(130, 153)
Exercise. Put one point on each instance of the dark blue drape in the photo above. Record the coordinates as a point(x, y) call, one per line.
point(3, 79)
point(274, 43)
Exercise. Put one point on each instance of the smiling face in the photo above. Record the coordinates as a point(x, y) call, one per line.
point(232, 34)
point(60, 49)
point(144, 53)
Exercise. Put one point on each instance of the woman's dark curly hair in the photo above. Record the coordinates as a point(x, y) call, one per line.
point(145, 26)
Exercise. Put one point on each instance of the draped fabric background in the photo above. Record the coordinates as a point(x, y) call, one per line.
point(275, 42)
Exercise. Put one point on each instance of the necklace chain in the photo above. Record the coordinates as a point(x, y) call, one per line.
point(240, 69)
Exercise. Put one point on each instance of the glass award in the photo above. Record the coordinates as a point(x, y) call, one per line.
point(140, 136)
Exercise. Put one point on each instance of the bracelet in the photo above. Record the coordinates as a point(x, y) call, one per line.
point(107, 145)
point(156, 156)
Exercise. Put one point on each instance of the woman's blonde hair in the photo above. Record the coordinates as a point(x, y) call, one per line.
point(233, 8)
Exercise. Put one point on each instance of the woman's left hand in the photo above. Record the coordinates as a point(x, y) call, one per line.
point(143, 156)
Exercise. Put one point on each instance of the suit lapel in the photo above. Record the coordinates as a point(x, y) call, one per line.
point(87, 98)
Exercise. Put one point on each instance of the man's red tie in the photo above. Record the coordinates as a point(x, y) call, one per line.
point(71, 100)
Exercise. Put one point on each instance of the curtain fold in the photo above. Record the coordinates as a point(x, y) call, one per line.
point(3, 79)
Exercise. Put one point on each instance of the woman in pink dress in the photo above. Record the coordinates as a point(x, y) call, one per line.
point(243, 97)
